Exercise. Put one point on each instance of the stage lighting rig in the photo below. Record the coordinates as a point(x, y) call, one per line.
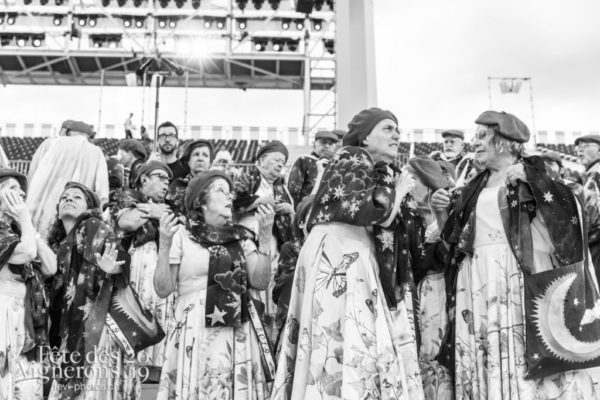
point(292, 45)
point(242, 23)
point(317, 24)
point(318, 4)
point(208, 23)
point(5, 40)
point(81, 21)
point(139, 22)
point(11, 19)
point(162, 23)
point(329, 45)
point(137, 3)
point(220, 23)
point(59, 2)
point(127, 22)
point(21, 41)
point(278, 45)
point(43, 2)
point(258, 4)
point(93, 21)
point(121, 3)
point(330, 4)
point(241, 4)
point(172, 23)
point(58, 20)
point(179, 3)
point(260, 44)
point(36, 41)
point(196, 4)
point(285, 24)
point(27, 2)
point(299, 24)
point(274, 4)
point(105, 3)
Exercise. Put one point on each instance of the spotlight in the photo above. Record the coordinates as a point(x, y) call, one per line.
point(21, 42)
point(37, 42)
point(258, 4)
point(274, 4)
point(127, 22)
point(5, 40)
point(292, 45)
point(164, 3)
point(330, 4)
point(43, 2)
point(277, 45)
point(121, 3)
point(105, 3)
point(317, 24)
point(96, 44)
point(329, 45)
point(242, 23)
point(241, 4)
point(59, 2)
point(285, 24)
point(139, 22)
point(27, 2)
point(220, 23)
point(179, 3)
point(172, 23)
point(58, 19)
point(195, 4)
point(137, 3)
point(82, 21)
point(260, 45)
point(318, 4)
point(162, 23)
point(207, 23)
point(112, 45)
point(11, 19)
point(93, 21)
point(299, 24)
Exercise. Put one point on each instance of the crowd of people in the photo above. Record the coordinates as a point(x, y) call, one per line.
point(354, 276)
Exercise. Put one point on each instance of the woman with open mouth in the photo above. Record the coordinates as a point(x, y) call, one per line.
point(350, 330)
point(218, 345)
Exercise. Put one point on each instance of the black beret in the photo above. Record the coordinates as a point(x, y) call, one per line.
point(454, 133)
point(551, 156)
point(6, 173)
point(508, 125)
point(328, 135)
point(91, 197)
point(185, 157)
point(150, 166)
point(200, 183)
point(273, 147)
point(363, 123)
point(588, 139)
point(429, 172)
point(133, 146)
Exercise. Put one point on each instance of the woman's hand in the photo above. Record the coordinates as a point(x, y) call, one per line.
point(405, 183)
point(265, 215)
point(167, 227)
point(440, 200)
point(515, 173)
point(283, 209)
point(15, 207)
point(108, 261)
point(154, 211)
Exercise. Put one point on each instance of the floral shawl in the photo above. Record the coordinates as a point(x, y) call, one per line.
point(176, 194)
point(128, 200)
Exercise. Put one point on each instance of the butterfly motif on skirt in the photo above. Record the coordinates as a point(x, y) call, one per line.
point(334, 276)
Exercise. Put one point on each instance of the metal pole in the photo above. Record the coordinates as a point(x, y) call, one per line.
point(490, 90)
point(156, 113)
point(100, 100)
point(533, 129)
point(185, 106)
point(306, 89)
point(143, 99)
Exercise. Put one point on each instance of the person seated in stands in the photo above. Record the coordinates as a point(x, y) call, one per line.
point(588, 153)
point(307, 171)
point(132, 155)
point(60, 160)
point(198, 157)
point(168, 144)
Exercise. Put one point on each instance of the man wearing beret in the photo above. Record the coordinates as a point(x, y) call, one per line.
point(308, 169)
point(132, 154)
point(588, 153)
point(60, 160)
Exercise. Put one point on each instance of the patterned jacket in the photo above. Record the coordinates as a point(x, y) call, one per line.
point(304, 176)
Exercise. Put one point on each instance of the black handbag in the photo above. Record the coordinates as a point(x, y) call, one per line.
point(131, 323)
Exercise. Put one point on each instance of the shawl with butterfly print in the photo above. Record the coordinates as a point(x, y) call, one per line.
point(148, 232)
point(227, 291)
point(555, 202)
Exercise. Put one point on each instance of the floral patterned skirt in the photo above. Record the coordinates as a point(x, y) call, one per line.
point(19, 378)
point(210, 363)
point(490, 335)
point(143, 264)
point(433, 320)
point(340, 339)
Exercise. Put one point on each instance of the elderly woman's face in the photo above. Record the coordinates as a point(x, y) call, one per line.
point(72, 203)
point(383, 141)
point(11, 184)
point(219, 203)
point(199, 160)
point(485, 151)
point(272, 163)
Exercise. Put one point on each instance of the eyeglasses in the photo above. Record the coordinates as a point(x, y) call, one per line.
point(162, 178)
point(227, 194)
point(164, 136)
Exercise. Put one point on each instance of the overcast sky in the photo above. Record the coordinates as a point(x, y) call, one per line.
point(433, 59)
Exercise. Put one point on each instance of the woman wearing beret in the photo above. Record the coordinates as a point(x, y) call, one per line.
point(261, 186)
point(22, 300)
point(218, 344)
point(197, 156)
point(92, 365)
point(485, 225)
point(350, 329)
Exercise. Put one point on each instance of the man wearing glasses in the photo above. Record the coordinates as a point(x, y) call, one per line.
point(168, 143)
point(588, 153)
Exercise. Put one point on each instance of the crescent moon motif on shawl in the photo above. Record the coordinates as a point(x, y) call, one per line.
point(125, 302)
point(549, 319)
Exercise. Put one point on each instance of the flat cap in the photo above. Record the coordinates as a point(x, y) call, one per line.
point(328, 135)
point(150, 166)
point(454, 133)
point(508, 125)
point(363, 123)
point(200, 183)
point(588, 139)
point(274, 146)
point(429, 172)
point(551, 156)
point(187, 152)
point(79, 126)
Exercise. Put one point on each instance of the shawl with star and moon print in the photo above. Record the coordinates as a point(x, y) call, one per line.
point(81, 294)
point(518, 205)
point(356, 191)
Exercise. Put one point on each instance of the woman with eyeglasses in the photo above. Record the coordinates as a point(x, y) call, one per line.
point(136, 218)
point(217, 348)
point(23, 310)
point(90, 363)
point(350, 328)
point(509, 223)
point(197, 156)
